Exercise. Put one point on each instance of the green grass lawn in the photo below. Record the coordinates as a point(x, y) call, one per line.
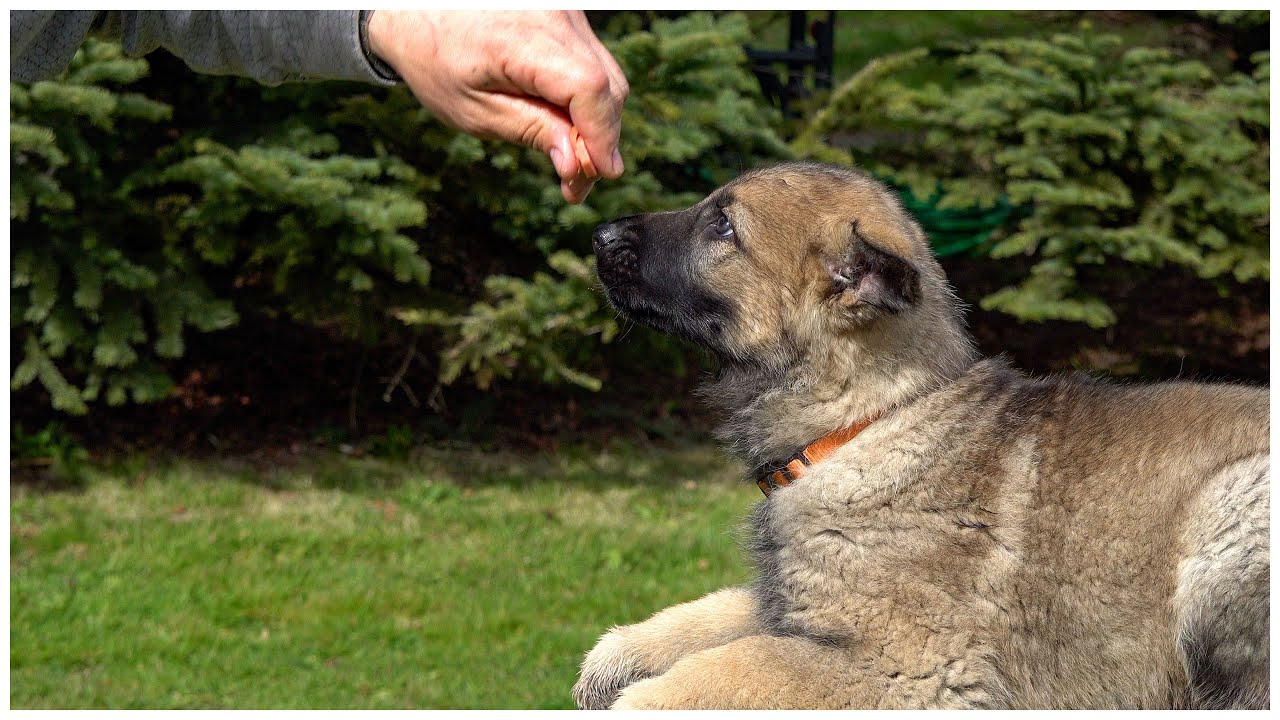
point(458, 579)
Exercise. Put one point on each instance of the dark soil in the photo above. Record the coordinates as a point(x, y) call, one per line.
point(269, 386)
point(1172, 325)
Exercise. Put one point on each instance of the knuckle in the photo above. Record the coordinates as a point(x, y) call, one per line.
point(528, 135)
point(595, 81)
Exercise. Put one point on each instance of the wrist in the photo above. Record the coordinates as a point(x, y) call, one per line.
point(374, 40)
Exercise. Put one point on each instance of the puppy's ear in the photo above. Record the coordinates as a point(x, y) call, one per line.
point(867, 282)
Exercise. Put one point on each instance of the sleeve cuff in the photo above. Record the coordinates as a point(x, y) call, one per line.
point(334, 49)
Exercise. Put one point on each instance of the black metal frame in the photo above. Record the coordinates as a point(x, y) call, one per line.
point(800, 59)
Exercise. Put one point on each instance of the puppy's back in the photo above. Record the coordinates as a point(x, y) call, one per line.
point(1148, 528)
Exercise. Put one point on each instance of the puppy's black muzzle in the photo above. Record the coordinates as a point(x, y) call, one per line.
point(646, 264)
point(616, 246)
point(607, 234)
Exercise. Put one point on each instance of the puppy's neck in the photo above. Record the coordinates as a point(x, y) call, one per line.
point(770, 413)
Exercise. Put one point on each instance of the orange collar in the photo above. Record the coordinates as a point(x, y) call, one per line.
point(797, 465)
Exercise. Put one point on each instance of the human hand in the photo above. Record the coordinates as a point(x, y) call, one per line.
point(524, 77)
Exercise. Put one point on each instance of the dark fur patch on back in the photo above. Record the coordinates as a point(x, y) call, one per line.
point(1213, 684)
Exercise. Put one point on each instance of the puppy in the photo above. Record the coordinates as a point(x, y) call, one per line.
point(939, 530)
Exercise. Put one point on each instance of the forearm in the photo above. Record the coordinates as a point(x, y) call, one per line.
point(269, 46)
point(42, 42)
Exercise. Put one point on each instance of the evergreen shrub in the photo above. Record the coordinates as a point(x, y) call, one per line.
point(1117, 153)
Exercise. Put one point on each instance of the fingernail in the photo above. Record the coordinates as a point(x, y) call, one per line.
point(580, 187)
point(557, 159)
point(618, 167)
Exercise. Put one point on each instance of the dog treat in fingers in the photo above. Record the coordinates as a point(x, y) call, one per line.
point(584, 158)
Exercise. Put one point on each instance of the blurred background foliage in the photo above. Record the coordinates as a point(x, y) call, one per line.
point(169, 228)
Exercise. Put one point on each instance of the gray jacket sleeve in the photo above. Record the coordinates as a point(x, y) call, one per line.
point(270, 46)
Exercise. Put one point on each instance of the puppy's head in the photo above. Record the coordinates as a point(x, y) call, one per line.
point(773, 264)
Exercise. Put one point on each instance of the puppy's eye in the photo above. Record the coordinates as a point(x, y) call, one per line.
point(722, 227)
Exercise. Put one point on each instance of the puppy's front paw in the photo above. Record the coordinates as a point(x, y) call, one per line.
point(609, 668)
point(635, 698)
point(643, 695)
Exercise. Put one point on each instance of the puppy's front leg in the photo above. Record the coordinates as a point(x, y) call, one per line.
point(769, 672)
point(754, 673)
point(634, 652)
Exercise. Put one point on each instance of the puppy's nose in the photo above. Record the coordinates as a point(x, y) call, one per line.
point(607, 234)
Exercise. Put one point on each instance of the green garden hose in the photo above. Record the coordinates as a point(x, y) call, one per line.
point(952, 231)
